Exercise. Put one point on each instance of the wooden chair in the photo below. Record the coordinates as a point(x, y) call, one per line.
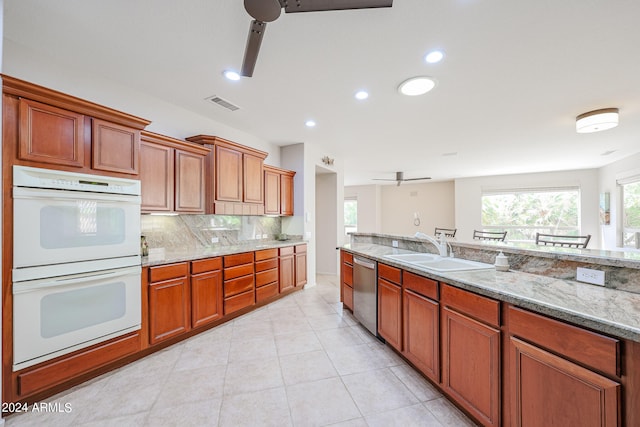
point(561, 240)
point(448, 232)
point(489, 235)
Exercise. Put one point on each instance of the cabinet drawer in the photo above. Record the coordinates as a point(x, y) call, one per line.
point(348, 275)
point(392, 274)
point(238, 271)
point(286, 251)
point(267, 291)
point(347, 297)
point(166, 272)
point(479, 307)
point(266, 265)
point(585, 347)
point(203, 265)
point(266, 277)
point(237, 259)
point(266, 254)
point(420, 285)
point(300, 248)
point(347, 257)
point(236, 286)
point(240, 301)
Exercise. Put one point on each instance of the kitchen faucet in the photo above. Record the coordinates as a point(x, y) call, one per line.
point(441, 245)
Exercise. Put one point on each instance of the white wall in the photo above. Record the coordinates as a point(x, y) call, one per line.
point(607, 184)
point(468, 193)
point(434, 202)
point(326, 220)
point(369, 199)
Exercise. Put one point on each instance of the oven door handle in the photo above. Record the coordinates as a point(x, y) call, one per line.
point(22, 287)
point(66, 195)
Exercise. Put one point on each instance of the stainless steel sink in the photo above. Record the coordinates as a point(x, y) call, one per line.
point(438, 263)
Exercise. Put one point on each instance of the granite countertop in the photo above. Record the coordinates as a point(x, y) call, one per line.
point(159, 256)
point(610, 311)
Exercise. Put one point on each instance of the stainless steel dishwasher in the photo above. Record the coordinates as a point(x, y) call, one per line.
point(365, 293)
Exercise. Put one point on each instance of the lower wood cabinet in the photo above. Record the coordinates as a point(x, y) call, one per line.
point(471, 353)
point(346, 279)
point(390, 305)
point(239, 282)
point(287, 268)
point(300, 256)
point(169, 302)
point(267, 275)
point(206, 291)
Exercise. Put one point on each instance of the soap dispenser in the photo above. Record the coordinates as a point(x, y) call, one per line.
point(502, 262)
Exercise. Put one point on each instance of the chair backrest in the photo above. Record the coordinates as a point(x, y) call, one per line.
point(448, 232)
point(489, 235)
point(561, 240)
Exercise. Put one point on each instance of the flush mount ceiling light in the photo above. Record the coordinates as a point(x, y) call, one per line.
point(597, 120)
point(416, 86)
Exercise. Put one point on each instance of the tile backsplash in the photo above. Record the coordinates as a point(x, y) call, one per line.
point(203, 231)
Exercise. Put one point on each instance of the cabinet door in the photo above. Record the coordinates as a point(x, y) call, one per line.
point(51, 135)
point(547, 390)
point(206, 298)
point(156, 177)
point(301, 269)
point(390, 313)
point(421, 333)
point(253, 179)
point(228, 174)
point(287, 272)
point(168, 309)
point(115, 147)
point(286, 195)
point(471, 365)
point(189, 182)
point(271, 193)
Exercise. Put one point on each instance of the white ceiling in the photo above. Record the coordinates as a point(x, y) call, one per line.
point(515, 75)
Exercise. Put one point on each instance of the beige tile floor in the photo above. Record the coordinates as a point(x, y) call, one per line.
point(301, 361)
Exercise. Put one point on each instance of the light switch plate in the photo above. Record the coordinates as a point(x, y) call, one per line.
point(394, 243)
point(587, 275)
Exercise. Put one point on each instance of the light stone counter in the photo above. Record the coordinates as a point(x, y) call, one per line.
point(607, 310)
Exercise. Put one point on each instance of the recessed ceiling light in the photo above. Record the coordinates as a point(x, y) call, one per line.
point(416, 86)
point(434, 56)
point(310, 123)
point(361, 95)
point(231, 75)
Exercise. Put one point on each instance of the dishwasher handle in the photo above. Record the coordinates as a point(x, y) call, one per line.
point(365, 263)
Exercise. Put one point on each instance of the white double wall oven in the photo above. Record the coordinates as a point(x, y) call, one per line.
point(76, 261)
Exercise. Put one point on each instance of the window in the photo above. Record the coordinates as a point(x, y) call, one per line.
point(631, 213)
point(350, 216)
point(523, 213)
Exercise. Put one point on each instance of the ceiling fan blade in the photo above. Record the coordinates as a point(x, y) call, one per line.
point(417, 179)
point(382, 179)
point(292, 6)
point(254, 40)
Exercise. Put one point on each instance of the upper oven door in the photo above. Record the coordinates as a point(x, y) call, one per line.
point(58, 226)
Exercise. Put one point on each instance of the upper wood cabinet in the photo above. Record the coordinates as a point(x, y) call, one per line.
point(278, 191)
point(45, 128)
point(172, 174)
point(235, 180)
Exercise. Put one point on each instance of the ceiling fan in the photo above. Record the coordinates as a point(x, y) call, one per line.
point(400, 178)
point(263, 11)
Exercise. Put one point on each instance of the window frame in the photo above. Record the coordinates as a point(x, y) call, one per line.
point(353, 227)
point(622, 229)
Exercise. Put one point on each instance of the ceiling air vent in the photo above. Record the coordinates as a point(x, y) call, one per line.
point(222, 102)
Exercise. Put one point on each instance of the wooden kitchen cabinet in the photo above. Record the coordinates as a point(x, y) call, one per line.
point(169, 302)
point(235, 178)
point(54, 130)
point(300, 256)
point(470, 331)
point(172, 175)
point(286, 264)
point(267, 274)
point(421, 325)
point(239, 281)
point(390, 305)
point(346, 279)
point(278, 191)
point(206, 291)
point(561, 374)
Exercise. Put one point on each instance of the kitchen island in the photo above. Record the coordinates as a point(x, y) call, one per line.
point(514, 347)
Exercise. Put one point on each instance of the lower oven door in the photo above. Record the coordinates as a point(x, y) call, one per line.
point(56, 316)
